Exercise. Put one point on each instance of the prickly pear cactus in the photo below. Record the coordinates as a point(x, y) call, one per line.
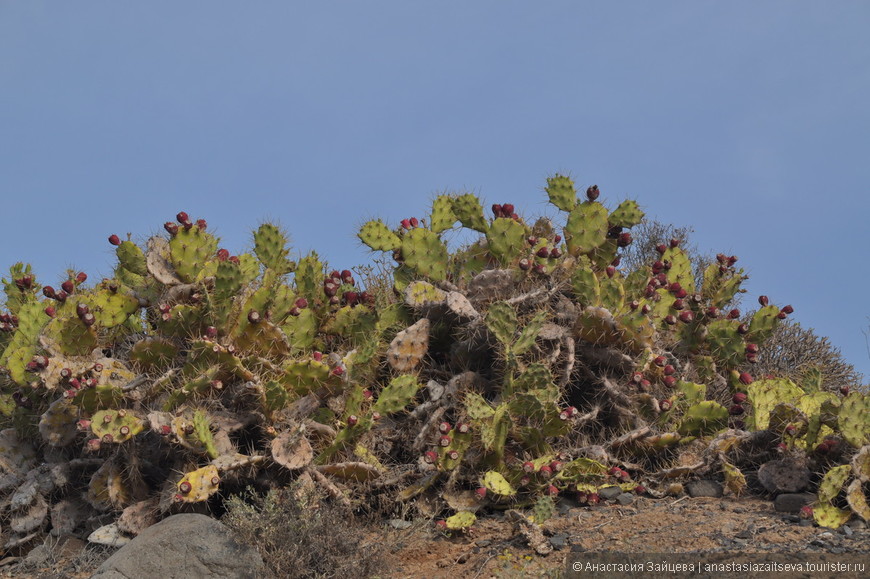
point(473, 373)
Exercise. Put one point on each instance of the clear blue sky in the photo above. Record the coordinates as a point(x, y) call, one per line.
point(748, 121)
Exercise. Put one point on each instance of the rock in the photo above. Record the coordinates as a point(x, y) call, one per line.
point(792, 502)
point(38, 555)
point(787, 475)
point(704, 488)
point(400, 524)
point(609, 493)
point(559, 540)
point(625, 499)
point(186, 545)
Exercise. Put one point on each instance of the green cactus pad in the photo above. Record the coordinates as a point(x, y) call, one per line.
point(718, 288)
point(501, 320)
point(829, 516)
point(496, 483)
point(612, 293)
point(71, 336)
point(586, 287)
point(422, 294)
point(461, 521)
point(765, 395)
point(228, 280)
point(442, 217)
point(535, 377)
point(506, 239)
point(202, 432)
point(189, 252)
point(112, 308)
point(529, 333)
point(854, 419)
point(628, 214)
point(275, 396)
point(681, 268)
point(763, 324)
point(469, 212)
point(305, 376)
point(561, 191)
point(425, 253)
point(703, 419)
point(493, 433)
point(399, 393)
point(270, 246)
point(477, 407)
point(735, 480)
point(544, 509)
point(301, 330)
point(119, 425)
point(586, 229)
point(378, 236)
point(131, 258)
point(726, 345)
point(833, 482)
point(203, 483)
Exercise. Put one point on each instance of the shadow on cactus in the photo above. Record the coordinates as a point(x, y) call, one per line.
point(528, 365)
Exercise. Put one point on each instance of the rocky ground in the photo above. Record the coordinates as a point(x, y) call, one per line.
point(497, 546)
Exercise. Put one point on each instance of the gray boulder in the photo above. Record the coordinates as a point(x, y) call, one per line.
point(182, 546)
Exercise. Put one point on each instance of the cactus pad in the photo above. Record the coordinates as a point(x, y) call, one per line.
point(198, 485)
point(270, 248)
point(379, 237)
point(407, 349)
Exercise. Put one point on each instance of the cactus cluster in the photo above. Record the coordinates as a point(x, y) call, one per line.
point(194, 372)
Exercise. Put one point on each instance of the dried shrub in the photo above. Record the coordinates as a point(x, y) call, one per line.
point(793, 349)
point(299, 533)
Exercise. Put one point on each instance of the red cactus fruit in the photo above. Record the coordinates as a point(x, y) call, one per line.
point(543, 252)
point(497, 209)
point(444, 440)
point(480, 492)
point(739, 398)
point(114, 239)
point(640, 489)
point(528, 466)
point(430, 456)
point(50, 311)
point(376, 416)
point(405, 223)
point(674, 243)
point(48, 291)
point(665, 405)
point(844, 390)
point(686, 316)
point(254, 316)
point(660, 361)
point(751, 348)
point(787, 310)
point(185, 487)
point(557, 239)
point(736, 410)
point(661, 248)
point(124, 430)
point(94, 444)
point(555, 253)
point(791, 430)
point(624, 239)
point(414, 222)
point(202, 224)
point(763, 300)
point(806, 512)
point(338, 371)
point(441, 525)
point(678, 304)
point(88, 319)
point(182, 217)
point(552, 491)
point(781, 315)
point(444, 427)
point(746, 378)
point(234, 259)
point(668, 370)
point(525, 264)
point(670, 319)
point(453, 455)
point(318, 356)
point(108, 438)
point(645, 309)
point(670, 381)
point(462, 428)
point(610, 271)
point(592, 193)
point(352, 420)
point(545, 471)
point(171, 228)
point(507, 209)
point(556, 465)
point(593, 499)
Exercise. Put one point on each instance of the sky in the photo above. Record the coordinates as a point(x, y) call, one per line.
point(747, 121)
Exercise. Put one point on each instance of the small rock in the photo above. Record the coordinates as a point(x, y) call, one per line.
point(792, 502)
point(559, 540)
point(400, 524)
point(37, 555)
point(625, 499)
point(744, 534)
point(185, 545)
point(786, 475)
point(846, 530)
point(857, 524)
point(609, 493)
point(806, 523)
point(109, 535)
point(838, 550)
point(483, 543)
point(704, 488)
